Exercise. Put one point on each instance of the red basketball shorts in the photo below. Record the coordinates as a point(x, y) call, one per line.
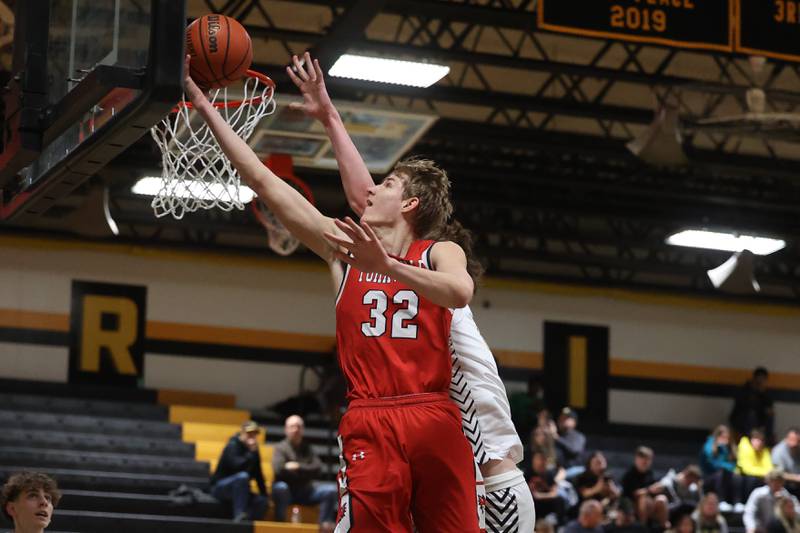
point(406, 464)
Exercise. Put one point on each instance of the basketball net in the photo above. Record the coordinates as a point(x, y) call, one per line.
point(279, 239)
point(195, 173)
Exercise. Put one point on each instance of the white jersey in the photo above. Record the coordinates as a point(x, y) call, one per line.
point(479, 392)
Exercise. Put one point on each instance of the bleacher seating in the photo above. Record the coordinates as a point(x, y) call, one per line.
point(116, 456)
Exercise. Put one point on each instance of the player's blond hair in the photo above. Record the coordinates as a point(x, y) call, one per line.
point(425, 180)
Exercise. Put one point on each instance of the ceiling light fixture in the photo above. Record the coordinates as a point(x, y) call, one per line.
point(150, 185)
point(382, 70)
point(726, 241)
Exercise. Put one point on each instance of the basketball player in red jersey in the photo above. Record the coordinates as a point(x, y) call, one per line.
point(406, 463)
point(476, 385)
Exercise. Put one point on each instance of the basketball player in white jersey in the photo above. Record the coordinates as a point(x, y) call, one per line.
point(476, 386)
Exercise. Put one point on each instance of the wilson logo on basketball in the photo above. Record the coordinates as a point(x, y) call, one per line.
point(213, 28)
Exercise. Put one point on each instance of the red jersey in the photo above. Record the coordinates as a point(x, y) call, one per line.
point(391, 341)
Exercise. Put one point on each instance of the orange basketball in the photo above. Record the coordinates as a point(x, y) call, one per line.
point(221, 51)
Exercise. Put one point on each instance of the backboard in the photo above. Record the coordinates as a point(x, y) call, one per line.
point(382, 136)
point(90, 78)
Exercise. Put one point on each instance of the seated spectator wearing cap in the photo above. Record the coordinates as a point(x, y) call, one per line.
point(785, 519)
point(753, 406)
point(786, 455)
point(760, 507)
point(296, 466)
point(639, 485)
point(595, 483)
point(753, 460)
point(707, 517)
point(570, 443)
point(589, 519)
point(239, 463)
point(681, 488)
point(28, 499)
point(718, 463)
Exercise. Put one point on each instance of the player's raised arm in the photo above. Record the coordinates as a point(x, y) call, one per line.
point(299, 216)
point(356, 178)
point(449, 285)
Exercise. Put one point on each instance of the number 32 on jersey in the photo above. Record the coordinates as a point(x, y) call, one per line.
point(400, 323)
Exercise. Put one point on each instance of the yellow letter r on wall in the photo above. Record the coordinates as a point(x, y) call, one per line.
point(118, 341)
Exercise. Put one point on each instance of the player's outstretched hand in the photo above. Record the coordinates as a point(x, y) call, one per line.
point(366, 253)
point(193, 92)
point(309, 79)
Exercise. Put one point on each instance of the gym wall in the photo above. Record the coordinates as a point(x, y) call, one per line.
point(245, 325)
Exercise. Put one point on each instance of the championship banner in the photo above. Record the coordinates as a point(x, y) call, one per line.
point(696, 24)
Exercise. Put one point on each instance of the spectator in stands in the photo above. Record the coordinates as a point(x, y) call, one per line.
point(595, 483)
point(544, 488)
point(239, 463)
point(785, 520)
point(570, 443)
point(681, 488)
point(639, 485)
point(542, 441)
point(589, 519)
point(786, 455)
point(707, 517)
point(718, 462)
point(624, 519)
point(753, 460)
point(752, 407)
point(28, 500)
point(296, 467)
point(639, 480)
point(760, 507)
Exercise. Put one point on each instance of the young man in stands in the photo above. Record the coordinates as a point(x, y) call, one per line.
point(639, 486)
point(681, 488)
point(28, 500)
point(570, 443)
point(786, 455)
point(760, 507)
point(753, 407)
point(296, 467)
point(239, 463)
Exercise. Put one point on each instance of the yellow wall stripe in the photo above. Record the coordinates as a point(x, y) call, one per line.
point(252, 338)
point(282, 527)
point(171, 331)
point(519, 359)
point(697, 373)
point(14, 318)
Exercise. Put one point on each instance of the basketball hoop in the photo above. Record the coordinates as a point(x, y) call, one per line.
point(279, 239)
point(196, 174)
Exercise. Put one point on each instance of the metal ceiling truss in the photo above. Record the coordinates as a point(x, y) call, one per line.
point(476, 37)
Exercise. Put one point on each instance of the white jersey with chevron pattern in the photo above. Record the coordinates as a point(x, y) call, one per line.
point(479, 392)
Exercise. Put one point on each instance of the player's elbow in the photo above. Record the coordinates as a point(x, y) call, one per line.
point(462, 295)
